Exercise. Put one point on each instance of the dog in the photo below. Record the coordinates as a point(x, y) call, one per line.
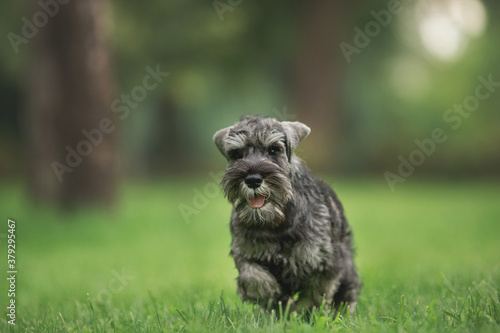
point(291, 242)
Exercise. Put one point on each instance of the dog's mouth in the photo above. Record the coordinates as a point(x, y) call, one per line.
point(257, 201)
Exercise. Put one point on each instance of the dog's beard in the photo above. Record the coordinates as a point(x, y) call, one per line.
point(275, 188)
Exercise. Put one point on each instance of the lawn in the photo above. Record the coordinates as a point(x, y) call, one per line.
point(428, 255)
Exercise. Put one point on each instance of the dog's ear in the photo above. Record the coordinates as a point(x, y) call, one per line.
point(219, 138)
point(295, 133)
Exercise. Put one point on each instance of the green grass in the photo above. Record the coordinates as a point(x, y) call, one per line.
point(428, 255)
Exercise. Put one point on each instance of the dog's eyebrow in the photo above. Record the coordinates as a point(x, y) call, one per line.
point(274, 138)
point(236, 140)
point(241, 132)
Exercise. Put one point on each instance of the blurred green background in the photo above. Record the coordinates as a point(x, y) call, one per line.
point(285, 61)
point(373, 79)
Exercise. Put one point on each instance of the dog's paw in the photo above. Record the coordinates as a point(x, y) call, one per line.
point(256, 284)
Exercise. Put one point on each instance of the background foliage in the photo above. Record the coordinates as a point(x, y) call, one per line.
point(393, 92)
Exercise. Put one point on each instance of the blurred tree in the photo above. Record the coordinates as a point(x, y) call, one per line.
point(319, 75)
point(70, 127)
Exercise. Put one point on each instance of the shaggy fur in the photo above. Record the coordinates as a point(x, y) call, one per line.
point(299, 241)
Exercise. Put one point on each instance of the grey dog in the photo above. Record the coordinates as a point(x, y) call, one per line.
point(290, 240)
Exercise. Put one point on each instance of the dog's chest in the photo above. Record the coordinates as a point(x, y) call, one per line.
point(297, 257)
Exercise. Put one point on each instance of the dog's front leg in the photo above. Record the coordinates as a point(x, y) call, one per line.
point(257, 284)
point(317, 289)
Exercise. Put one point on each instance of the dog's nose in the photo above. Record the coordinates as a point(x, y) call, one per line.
point(254, 180)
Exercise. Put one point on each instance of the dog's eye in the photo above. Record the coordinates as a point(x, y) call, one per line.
point(235, 154)
point(273, 150)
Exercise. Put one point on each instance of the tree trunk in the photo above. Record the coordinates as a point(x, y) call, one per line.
point(318, 80)
point(70, 93)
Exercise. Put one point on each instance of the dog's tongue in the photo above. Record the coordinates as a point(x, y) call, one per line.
point(257, 201)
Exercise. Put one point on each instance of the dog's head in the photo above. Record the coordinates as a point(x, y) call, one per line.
point(259, 151)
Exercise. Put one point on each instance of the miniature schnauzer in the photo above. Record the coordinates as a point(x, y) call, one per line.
point(290, 240)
